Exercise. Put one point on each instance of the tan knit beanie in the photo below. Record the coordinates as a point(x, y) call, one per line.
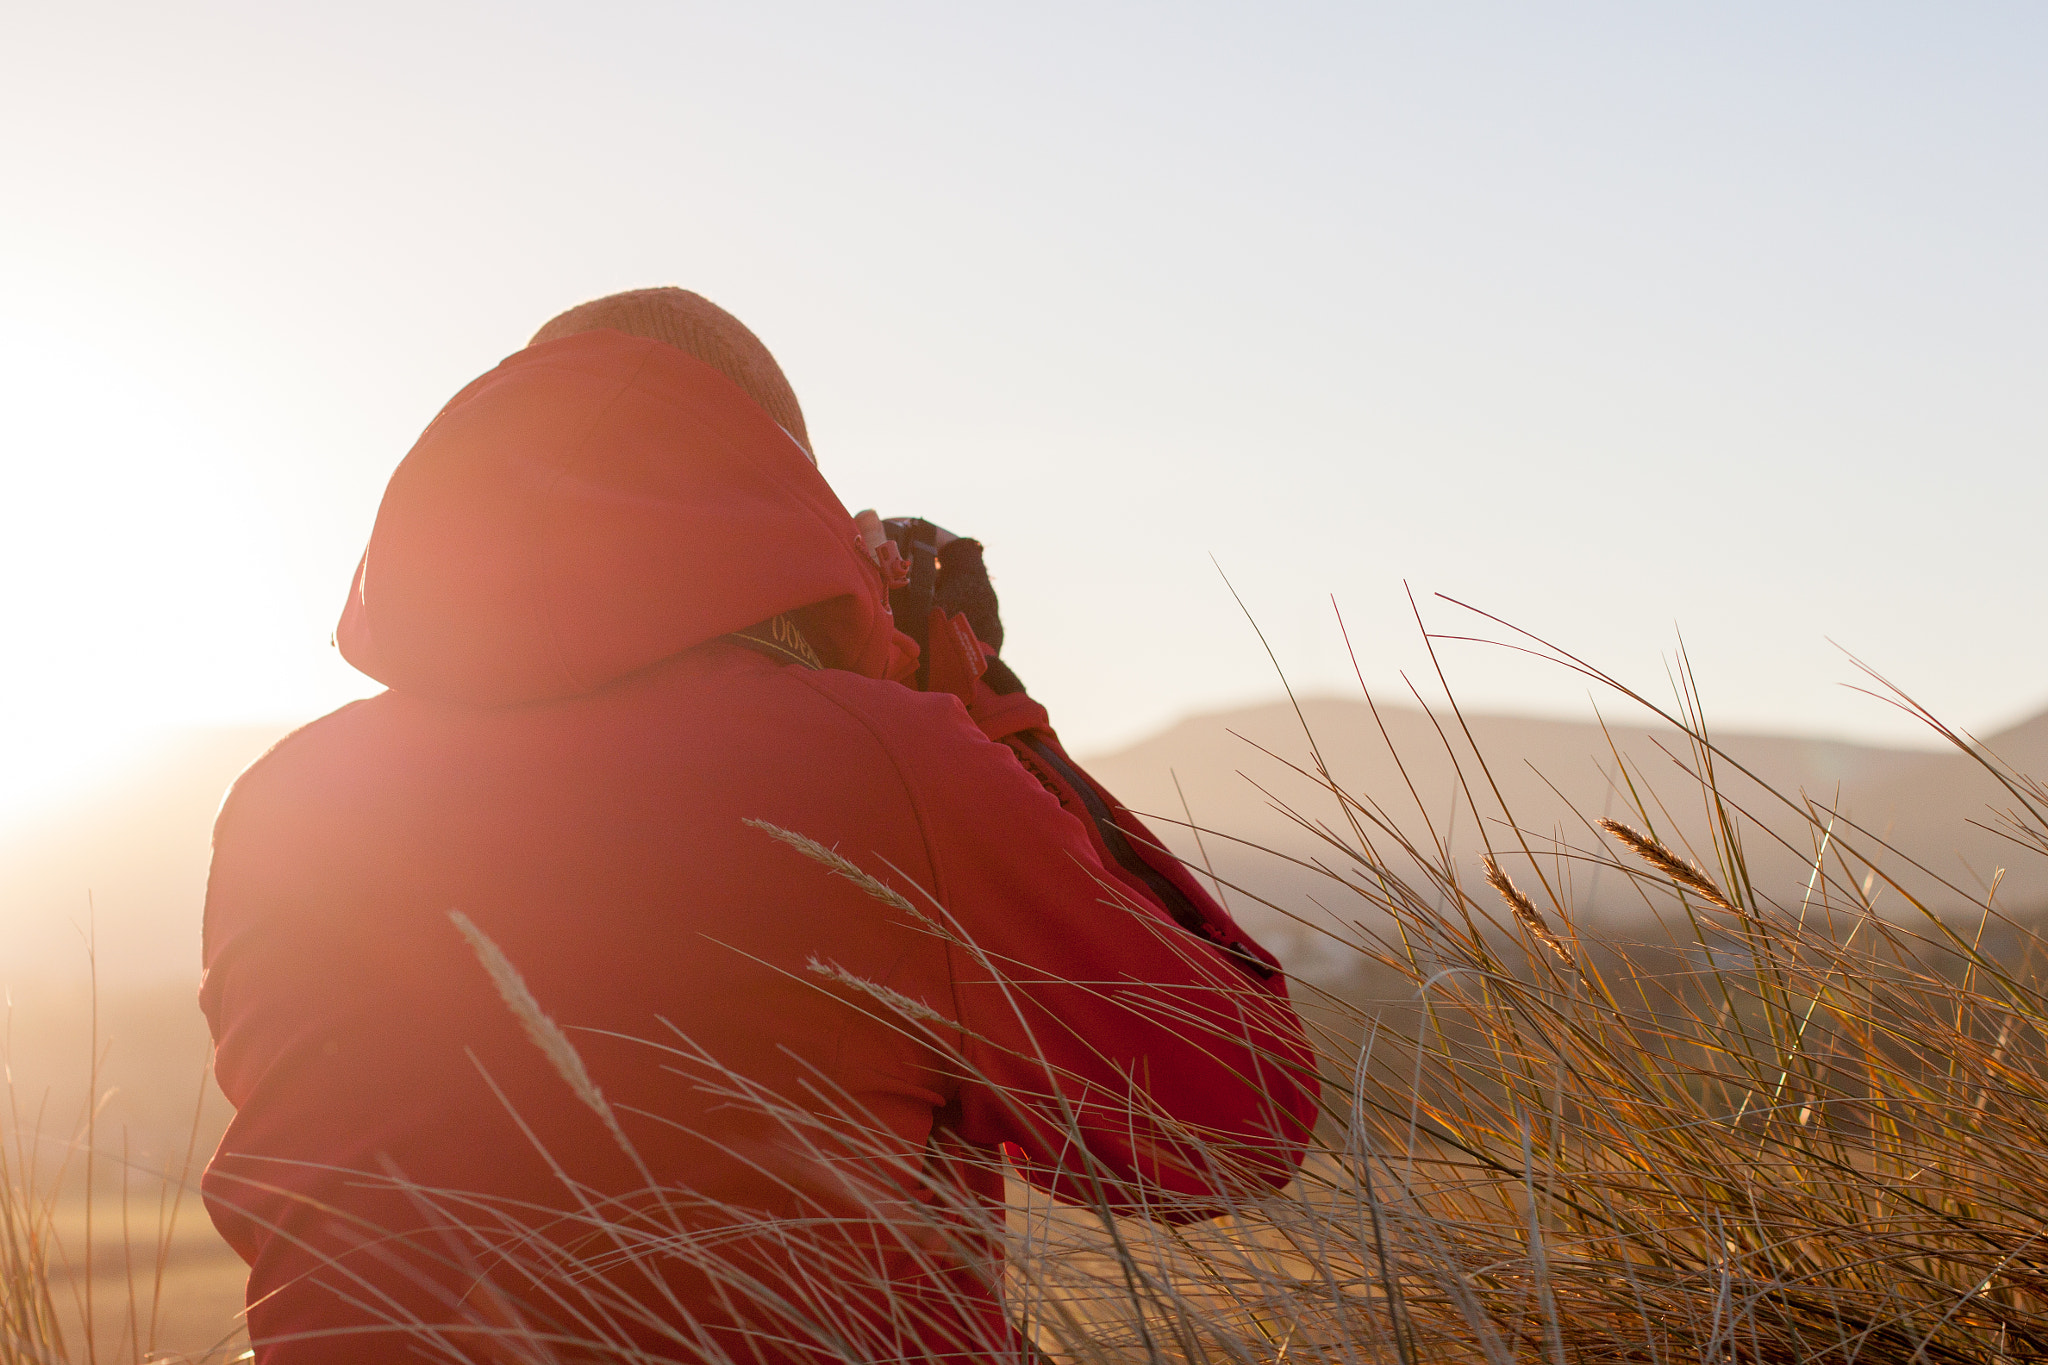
point(695, 326)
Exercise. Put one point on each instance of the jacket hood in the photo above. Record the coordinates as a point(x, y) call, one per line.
point(592, 506)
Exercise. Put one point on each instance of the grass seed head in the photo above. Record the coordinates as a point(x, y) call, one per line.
point(1525, 910)
point(895, 1000)
point(1670, 864)
point(840, 865)
point(546, 1034)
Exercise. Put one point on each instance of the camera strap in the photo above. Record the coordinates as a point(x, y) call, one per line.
point(780, 638)
point(911, 604)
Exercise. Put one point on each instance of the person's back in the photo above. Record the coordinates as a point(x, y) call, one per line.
point(785, 1088)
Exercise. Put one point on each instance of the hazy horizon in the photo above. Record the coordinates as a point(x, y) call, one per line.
point(127, 852)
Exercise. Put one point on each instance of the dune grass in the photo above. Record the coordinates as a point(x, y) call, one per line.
point(1798, 1122)
point(1788, 1127)
point(30, 1329)
point(100, 1245)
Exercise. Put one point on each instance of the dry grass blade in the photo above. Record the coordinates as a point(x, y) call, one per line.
point(1525, 909)
point(1670, 864)
point(840, 864)
point(546, 1034)
point(895, 1000)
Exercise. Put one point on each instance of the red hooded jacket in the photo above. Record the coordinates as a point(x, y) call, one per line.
point(777, 1137)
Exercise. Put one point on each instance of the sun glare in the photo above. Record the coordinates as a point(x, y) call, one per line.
point(140, 567)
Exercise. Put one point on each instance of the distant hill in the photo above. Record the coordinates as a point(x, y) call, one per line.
point(1555, 777)
point(1937, 808)
point(139, 845)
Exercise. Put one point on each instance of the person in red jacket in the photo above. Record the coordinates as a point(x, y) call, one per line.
point(643, 674)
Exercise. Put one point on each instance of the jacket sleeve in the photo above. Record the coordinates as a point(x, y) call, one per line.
point(1127, 849)
point(1133, 1047)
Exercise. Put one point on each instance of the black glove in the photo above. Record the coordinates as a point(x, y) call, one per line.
point(962, 586)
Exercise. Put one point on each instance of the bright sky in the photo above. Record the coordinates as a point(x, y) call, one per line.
point(1613, 318)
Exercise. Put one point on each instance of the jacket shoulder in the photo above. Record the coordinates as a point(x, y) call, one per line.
point(298, 748)
point(934, 745)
